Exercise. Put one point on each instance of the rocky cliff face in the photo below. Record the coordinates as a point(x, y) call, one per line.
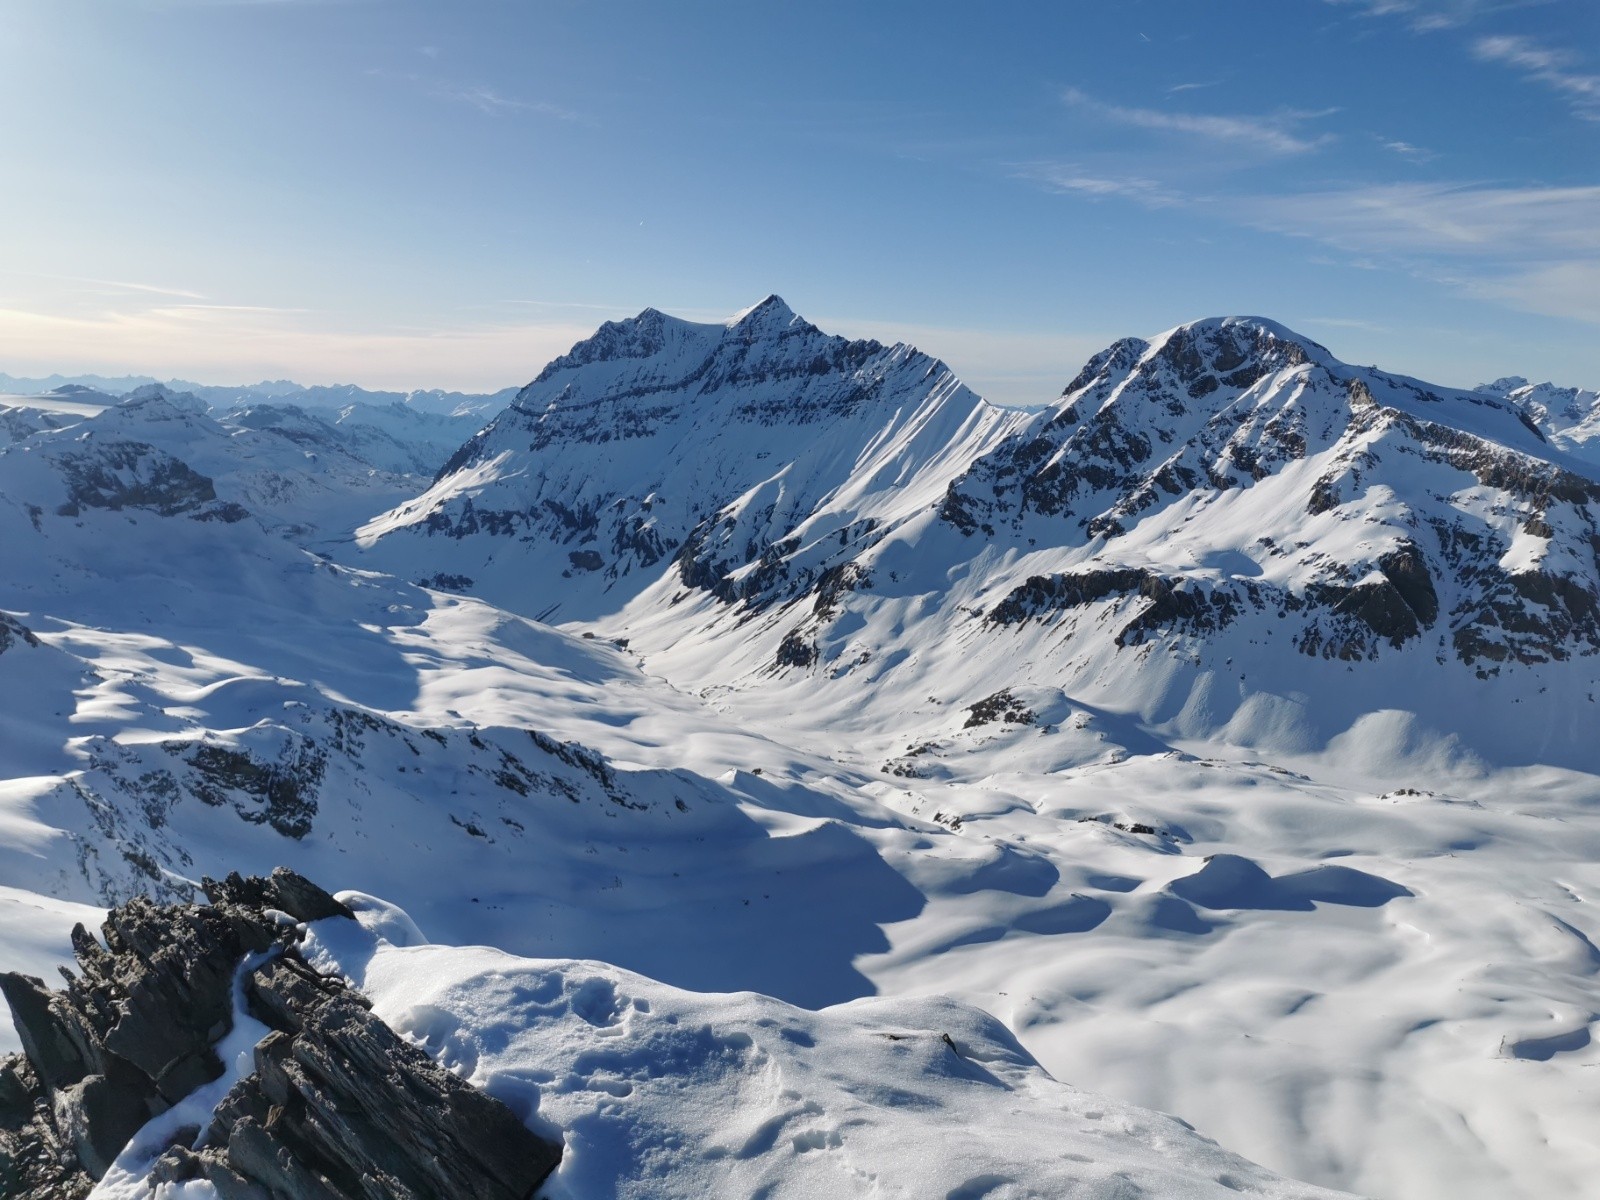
point(338, 1107)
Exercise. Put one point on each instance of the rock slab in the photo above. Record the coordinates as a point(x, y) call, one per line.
point(339, 1108)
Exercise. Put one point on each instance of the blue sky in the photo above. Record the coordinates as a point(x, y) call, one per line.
point(399, 193)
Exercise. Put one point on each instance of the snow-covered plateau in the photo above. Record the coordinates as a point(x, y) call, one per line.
point(741, 709)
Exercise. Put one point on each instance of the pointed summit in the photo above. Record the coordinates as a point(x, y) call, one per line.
point(771, 313)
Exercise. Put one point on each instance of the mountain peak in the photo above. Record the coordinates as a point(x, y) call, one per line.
point(155, 396)
point(1502, 387)
point(1240, 330)
point(771, 312)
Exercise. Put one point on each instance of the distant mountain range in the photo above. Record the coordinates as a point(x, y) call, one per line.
point(280, 391)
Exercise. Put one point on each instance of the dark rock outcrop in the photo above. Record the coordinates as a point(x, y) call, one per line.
point(340, 1107)
point(119, 474)
point(13, 632)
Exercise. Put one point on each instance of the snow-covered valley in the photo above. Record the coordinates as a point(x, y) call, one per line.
point(1224, 729)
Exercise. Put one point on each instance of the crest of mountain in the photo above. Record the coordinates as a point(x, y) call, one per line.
point(719, 451)
point(1227, 499)
point(1224, 413)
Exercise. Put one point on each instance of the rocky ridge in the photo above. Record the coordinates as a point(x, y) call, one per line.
point(339, 1107)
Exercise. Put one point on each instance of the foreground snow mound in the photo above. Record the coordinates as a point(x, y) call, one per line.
point(662, 1093)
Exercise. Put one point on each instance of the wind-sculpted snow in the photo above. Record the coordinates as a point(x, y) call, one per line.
point(665, 1093)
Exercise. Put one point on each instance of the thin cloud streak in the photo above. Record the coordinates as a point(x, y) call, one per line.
point(1553, 68)
point(1406, 150)
point(1431, 16)
point(486, 100)
point(1535, 249)
point(1072, 179)
point(1272, 133)
point(123, 285)
point(1486, 222)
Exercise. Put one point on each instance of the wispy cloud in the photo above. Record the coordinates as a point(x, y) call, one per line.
point(1344, 323)
point(1406, 150)
point(1275, 132)
point(124, 285)
point(228, 308)
point(1430, 16)
point(1447, 218)
point(1535, 248)
point(1558, 69)
point(487, 100)
point(1072, 179)
point(1553, 67)
point(1190, 87)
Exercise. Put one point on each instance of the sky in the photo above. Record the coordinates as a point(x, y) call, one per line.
point(407, 193)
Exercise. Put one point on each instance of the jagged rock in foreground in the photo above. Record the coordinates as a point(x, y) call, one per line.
point(340, 1107)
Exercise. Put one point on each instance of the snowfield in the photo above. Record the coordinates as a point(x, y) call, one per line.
point(664, 1093)
point(1225, 730)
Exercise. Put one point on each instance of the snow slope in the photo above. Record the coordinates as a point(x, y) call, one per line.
point(663, 1093)
point(392, 437)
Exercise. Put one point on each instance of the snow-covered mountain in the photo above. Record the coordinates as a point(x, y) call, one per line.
point(422, 401)
point(1221, 728)
point(661, 441)
point(160, 452)
point(1227, 501)
point(1568, 416)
